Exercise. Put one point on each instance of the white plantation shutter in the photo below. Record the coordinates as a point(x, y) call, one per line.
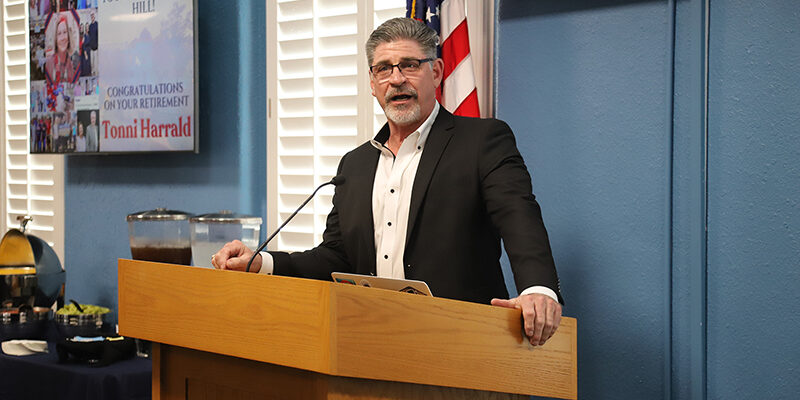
point(384, 10)
point(319, 104)
point(31, 184)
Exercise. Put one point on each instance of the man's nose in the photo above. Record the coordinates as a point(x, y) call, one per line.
point(397, 78)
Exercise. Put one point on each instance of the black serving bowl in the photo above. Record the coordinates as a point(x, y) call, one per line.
point(24, 323)
point(80, 325)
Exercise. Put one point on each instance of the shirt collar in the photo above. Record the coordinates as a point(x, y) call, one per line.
point(423, 130)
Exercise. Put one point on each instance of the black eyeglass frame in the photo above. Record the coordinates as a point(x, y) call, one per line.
point(419, 60)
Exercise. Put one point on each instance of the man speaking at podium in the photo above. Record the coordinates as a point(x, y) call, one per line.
point(430, 197)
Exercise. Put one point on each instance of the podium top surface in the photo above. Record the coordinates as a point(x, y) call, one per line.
point(344, 330)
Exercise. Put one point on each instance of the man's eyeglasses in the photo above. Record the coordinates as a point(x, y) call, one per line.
point(410, 67)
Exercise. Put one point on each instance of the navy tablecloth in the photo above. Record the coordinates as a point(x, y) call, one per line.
point(42, 377)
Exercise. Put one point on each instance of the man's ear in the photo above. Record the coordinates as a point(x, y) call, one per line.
point(438, 71)
point(372, 86)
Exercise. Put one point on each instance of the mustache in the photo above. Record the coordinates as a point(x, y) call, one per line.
point(403, 90)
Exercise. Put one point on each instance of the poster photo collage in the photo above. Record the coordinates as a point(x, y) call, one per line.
point(64, 76)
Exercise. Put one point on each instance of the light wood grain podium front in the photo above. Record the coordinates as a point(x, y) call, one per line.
point(231, 335)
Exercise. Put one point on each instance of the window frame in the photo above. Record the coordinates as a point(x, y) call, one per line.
point(369, 13)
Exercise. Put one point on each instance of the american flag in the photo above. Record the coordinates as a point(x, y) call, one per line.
point(448, 18)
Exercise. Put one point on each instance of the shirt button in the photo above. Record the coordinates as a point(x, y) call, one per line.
point(386, 257)
point(389, 223)
point(419, 147)
point(391, 190)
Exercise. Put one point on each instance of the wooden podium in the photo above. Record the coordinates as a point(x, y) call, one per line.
point(231, 335)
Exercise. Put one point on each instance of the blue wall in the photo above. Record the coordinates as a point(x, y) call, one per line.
point(754, 200)
point(586, 92)
point(673, 210)
point(228, 173)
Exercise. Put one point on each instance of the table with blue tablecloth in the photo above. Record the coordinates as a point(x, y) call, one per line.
point(41, 376)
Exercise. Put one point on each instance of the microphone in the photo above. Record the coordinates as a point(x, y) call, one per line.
point(335, 181)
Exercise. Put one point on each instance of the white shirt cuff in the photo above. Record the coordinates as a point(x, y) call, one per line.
point(533, 289)
point(267, 264)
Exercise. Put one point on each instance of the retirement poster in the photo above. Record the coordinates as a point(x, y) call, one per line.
point(112, 76)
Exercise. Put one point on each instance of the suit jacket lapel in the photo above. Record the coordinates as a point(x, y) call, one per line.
point(438, 138)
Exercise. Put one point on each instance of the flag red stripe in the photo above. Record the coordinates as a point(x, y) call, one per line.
point(469, 107)
point(455, 48)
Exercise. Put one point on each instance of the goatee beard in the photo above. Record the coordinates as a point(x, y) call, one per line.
point(404, 114)
point(402, 117)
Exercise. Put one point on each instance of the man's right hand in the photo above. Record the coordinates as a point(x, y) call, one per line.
point(235, 256)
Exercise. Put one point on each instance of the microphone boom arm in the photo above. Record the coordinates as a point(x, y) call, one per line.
point(336, 180)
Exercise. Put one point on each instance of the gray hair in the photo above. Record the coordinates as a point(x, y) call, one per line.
point(399, 29)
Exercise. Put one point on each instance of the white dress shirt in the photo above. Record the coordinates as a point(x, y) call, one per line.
point(391, 201)
point(391, 198)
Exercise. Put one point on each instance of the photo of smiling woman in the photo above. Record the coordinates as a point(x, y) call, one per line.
point(62, 47)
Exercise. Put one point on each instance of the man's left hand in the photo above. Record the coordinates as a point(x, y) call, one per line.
point(541, 315)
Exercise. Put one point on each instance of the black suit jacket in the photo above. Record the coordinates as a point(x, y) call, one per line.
point(471, 189)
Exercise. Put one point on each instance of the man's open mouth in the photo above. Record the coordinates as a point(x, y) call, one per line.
point(401, 97)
